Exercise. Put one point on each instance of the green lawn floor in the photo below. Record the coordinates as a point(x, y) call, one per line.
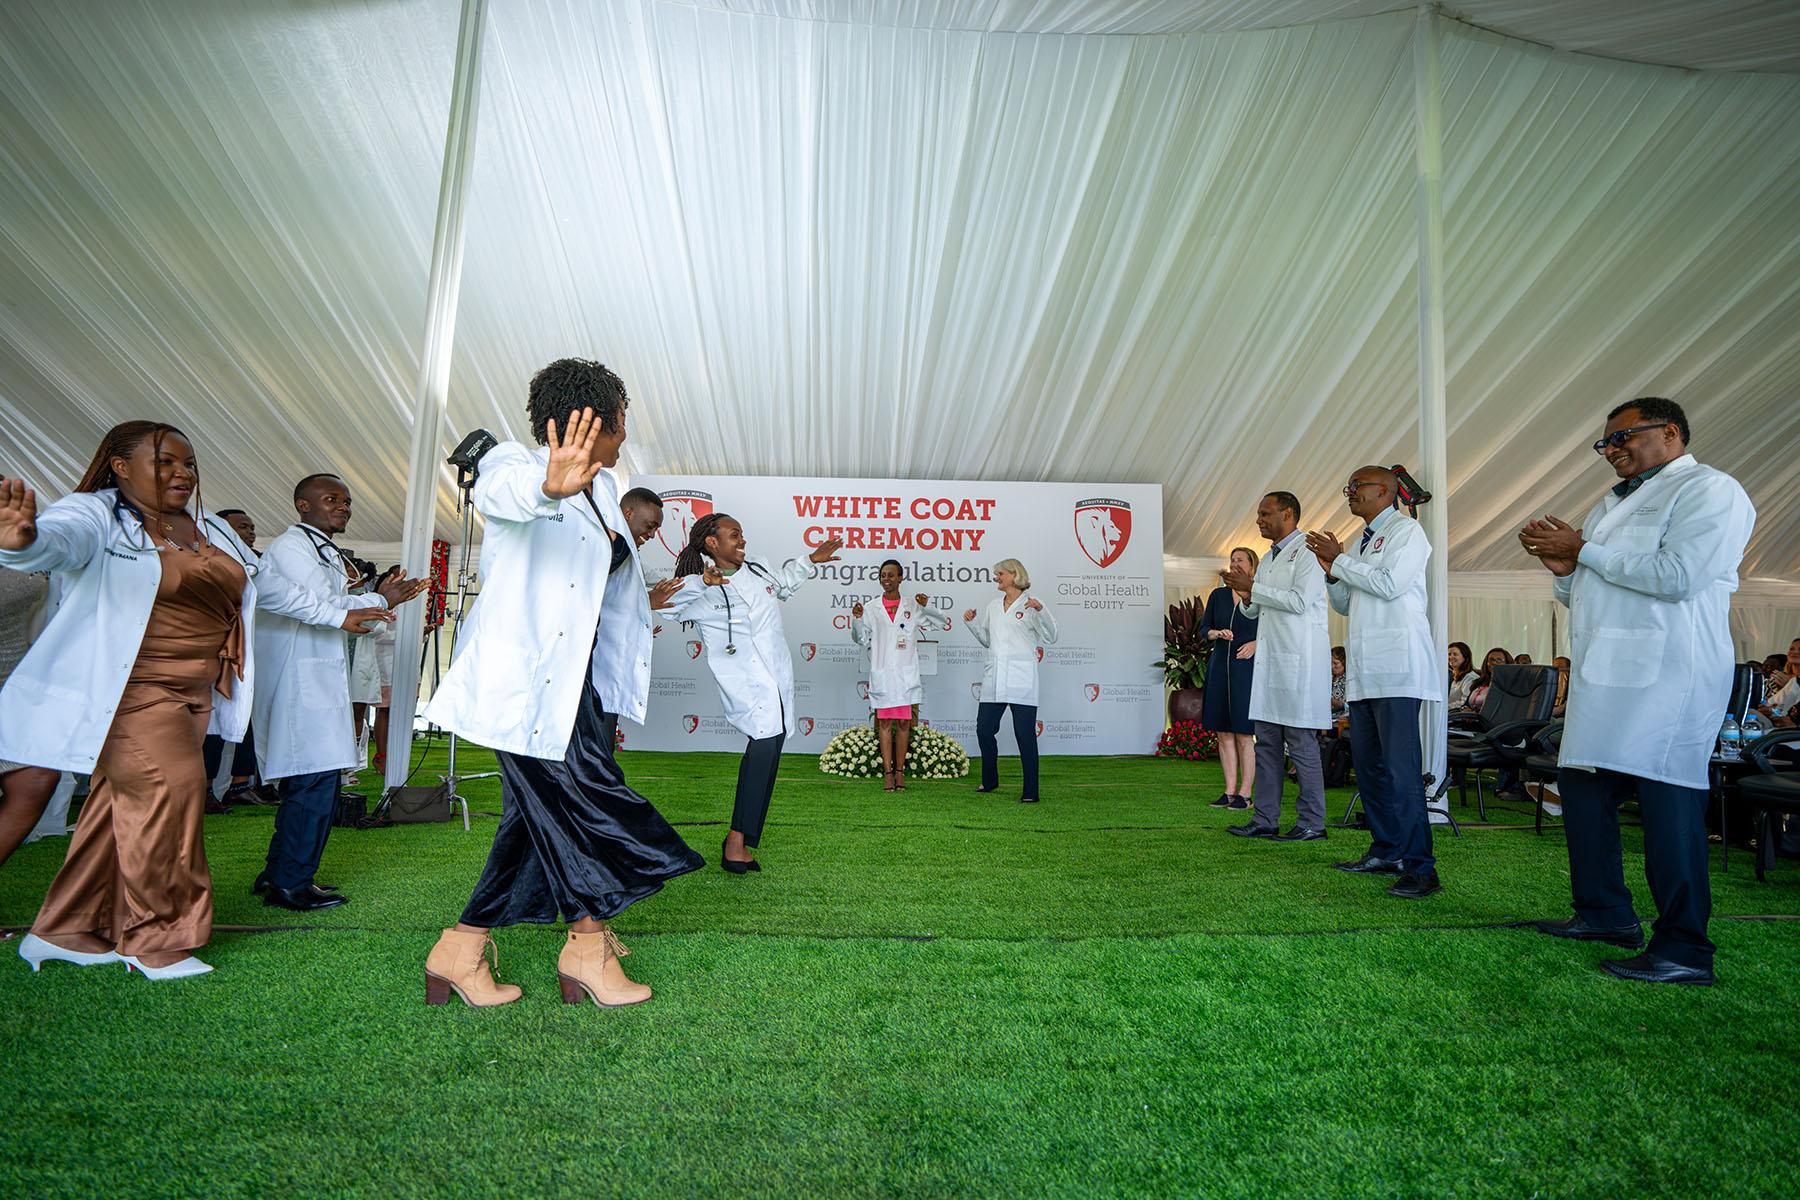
point(927, 993)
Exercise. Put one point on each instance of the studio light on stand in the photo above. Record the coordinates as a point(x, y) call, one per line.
point(466, 458)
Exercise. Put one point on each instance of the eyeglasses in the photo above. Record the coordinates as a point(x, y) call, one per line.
point(1619, 437)
point(1350, 491)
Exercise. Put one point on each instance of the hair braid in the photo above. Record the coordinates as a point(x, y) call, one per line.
point(122, 441)
point(691, 560)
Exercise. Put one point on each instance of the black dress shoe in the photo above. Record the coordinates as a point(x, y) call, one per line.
point(215, 806)
point(1648, 968)
point(1224, 801)
point(1628, 936)
point(1252, 829)
point(735, 867)
point(261, 886)
point(1300, 833)
point(1369, 864)
point(981, 791)
point(302, 899)
point(1416, 885)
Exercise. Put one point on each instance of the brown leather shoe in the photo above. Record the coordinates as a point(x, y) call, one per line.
point(590, 963)
point(459, 963)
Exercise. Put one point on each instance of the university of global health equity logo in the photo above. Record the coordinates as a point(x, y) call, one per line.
point(681, 508)
point(1102, 529)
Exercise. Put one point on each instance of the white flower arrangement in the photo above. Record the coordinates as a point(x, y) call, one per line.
point(856, 754)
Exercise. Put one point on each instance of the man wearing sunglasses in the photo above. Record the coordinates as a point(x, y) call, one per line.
point(1647, 579)
point(1392, 667)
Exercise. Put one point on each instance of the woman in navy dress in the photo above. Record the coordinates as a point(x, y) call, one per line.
point(1226, 707)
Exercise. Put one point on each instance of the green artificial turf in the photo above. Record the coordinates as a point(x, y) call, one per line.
point(927, 993)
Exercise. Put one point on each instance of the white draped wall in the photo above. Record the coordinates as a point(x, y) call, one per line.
point(903, 238)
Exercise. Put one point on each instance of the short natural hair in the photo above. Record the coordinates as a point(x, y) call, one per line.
point(640, 496)
point(1021, 576)
point(567, 386)
point(1657, 409)
point(231, 512)
point(300, 488)
point(1288, 501)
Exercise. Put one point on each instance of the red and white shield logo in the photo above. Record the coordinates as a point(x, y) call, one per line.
point(693, 649)
point(1092, 690)
point(1040, 729)
point(807, 650)
point(975, 690)
point(1102, 529)
point(690, 722)
point(806, 724)
point(1040, 654)
point(681, 508)
point(862, 689)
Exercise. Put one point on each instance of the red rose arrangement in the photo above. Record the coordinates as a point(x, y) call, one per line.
point(1187, 739)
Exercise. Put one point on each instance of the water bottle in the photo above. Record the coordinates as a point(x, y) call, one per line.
point(1730, 740)
point(1755, 725)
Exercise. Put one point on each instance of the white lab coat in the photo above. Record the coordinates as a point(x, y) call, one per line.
point(1292, 682)
point(1388, 650)
point(893, 668)
point(525, 652)
point(57, 706)
point(302, 708)
point(1649, 625)
point(620, 664)
point(278, 595)
point(1012, 637)
point(756, 684)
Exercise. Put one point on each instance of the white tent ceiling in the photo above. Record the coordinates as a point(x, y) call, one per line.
point(917, 239)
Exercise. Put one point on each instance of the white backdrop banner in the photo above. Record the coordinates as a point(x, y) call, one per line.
point(1093, 551)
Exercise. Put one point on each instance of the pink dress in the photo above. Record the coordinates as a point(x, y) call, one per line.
point(900, 712)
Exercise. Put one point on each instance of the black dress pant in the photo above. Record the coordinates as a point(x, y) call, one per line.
point(987, 737)
point(574, 839)
point(1675, 858)
point(243, 759)
point(302, 825)
point(756, 785)
point(1384, 744)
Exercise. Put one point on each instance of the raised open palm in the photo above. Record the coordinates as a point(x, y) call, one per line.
point(572, 466)
point(18, 515)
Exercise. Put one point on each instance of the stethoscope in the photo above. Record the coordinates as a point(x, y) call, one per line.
point(725, 594)
point(249, 567)
point(321, 543)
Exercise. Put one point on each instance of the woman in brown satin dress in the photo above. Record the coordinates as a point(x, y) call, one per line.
point(135, 885)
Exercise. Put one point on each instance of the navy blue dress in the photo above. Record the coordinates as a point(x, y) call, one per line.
point(1226, 706)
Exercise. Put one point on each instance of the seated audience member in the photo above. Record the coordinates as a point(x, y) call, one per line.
point(1561, 663)
point(1522, 660)
point(1782, 690)
point(1478, 693)
point(1340, 711)
point(1462, 674)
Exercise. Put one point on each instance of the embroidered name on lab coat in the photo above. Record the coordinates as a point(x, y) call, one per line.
point(121, 554)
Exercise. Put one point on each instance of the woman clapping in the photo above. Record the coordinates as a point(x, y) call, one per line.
point(1012, 627)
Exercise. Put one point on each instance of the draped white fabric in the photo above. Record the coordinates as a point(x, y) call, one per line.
point(815, 244)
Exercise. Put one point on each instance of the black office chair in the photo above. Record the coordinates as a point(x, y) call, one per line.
point(1542, 750)
point(1518, 704)
point(1774, 789)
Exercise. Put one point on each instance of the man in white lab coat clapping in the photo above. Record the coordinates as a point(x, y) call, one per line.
point(1647, 579)
point(301, 706)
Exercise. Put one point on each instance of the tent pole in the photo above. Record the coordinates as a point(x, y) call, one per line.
point(425, 462)
point(1432, 470)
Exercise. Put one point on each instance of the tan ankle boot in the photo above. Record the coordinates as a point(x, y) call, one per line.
point(590, 963)
point(459, 963)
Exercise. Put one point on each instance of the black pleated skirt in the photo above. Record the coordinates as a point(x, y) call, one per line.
point(574, 840)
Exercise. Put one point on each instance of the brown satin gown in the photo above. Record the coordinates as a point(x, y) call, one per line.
point(136, 875)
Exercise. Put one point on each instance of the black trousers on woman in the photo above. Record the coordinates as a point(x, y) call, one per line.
point(756, 784)
point(573, 838)
point(987, 736)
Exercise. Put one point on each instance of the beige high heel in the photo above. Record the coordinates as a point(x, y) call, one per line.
point(590, 963)
point(459, 963)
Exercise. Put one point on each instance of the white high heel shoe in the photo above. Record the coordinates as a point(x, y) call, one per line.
point(36, 951)
point(175, 970)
